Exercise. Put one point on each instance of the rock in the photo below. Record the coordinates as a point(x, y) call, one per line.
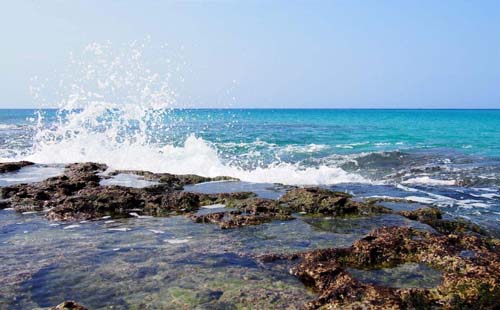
point(316, 200)
point(224, 198)
point(426, 213)
point(14, 166)
point(4, 204)
point(469, 281)
point(77, 195)
point(174, 181)
point(433, 217)
point(251, 211)
point(69, 305)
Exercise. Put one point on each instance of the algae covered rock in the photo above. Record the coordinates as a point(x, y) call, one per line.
point(172, 180)
point(250, 211)
point(434, 217)
point(316, 200)
point(470, 266)
point(78, 195)
point(224, 198)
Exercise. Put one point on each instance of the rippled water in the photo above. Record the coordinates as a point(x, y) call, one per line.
point(173, 263)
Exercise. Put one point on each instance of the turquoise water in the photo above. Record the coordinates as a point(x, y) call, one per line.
point(446, 158)
point(450, 158)
point(345, 131)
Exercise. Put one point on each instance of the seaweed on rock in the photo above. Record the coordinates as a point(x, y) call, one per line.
point(470, 267)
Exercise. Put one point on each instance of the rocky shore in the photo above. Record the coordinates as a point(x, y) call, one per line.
point(467, 255)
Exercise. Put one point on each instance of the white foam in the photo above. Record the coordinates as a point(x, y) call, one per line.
point(10, 126)
point(113, 110)
point(72, 226)
point(196, 156)
point(176, 241)
point(122, 229)
point(215, 206)
point(490, 196)
point(420, 199)
point(428, 181)
point(155, 231)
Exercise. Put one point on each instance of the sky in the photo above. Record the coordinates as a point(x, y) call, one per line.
point(272, 54)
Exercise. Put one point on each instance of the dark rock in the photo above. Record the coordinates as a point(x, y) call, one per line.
point(315, 200)
point(251, 211)
point(77, 195)
point(433, 217)
point(224, 198)
point(174, 181)
point(14, 166)
point(426, 213)
point(4, 204)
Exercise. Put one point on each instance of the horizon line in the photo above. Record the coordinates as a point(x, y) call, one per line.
point(278, 108)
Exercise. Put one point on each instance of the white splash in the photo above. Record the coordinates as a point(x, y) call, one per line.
point(429, 181)
point(114, 111)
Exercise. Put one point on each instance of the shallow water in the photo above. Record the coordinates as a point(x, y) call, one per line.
point(127, 180)
point(408, 275)
point(30, 174)
point(263, 190)
point(449, 159)
point(171, 263)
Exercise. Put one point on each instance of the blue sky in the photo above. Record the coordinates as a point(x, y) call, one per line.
point(338, 54)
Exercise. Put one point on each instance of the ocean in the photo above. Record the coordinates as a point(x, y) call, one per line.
point(449, 159)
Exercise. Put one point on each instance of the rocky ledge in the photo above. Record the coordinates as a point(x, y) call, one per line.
point(470, 266)
point(78, 195)
point(14, 166)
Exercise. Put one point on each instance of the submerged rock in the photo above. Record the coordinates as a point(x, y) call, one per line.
point(469, 281)
point(14, 166)
point(250, 211)
point(434, 217)
point(173, 180)
point(315, 200)
point(224, 198)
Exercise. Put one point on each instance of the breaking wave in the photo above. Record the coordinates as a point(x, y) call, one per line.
point(116, 110)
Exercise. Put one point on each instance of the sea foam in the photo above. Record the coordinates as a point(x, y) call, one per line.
point(115, 110)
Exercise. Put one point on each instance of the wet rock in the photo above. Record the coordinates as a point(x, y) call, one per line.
point(120, 202)
point(469, 281)
point(251, 211)
point(174, 181)
point(426, 213)
point(69, 305)
point(224, 198)
point(434, 218)
point(375, 200)
point(4, 204)
point(75, 178)
point(315, 200)
point(14, 166)
point(77, 195)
